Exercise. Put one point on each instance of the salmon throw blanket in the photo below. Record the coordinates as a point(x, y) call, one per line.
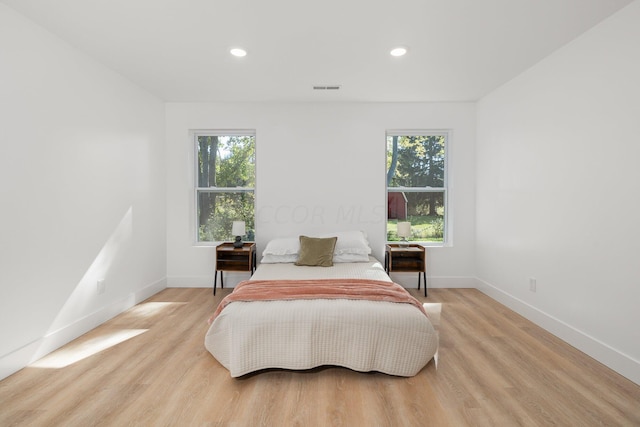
point(359, 289)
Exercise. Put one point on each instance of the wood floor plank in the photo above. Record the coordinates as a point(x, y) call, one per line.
point(494, 368)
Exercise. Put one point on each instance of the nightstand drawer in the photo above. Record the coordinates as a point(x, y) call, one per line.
point(402, 263)
point(231, 261)
point(399, 253)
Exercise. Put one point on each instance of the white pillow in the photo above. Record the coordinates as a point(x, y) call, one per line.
point(276, 259)
point(350, 258)
point(283, 246)
point(350, 242)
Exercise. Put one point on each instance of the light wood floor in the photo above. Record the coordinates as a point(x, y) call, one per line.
point(494, 369)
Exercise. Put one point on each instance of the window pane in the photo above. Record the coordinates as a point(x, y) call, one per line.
point(217, 211)
point(226, 161)
point(425, 212)
point(416, 161)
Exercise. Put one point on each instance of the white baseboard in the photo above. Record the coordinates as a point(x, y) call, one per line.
point(190, 281)
point(612, 358)
point(29, 353)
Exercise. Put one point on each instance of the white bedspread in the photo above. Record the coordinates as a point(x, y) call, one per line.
point(388, 337)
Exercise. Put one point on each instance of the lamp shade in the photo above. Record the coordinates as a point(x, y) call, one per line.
point(404, 229)
point(238, 228)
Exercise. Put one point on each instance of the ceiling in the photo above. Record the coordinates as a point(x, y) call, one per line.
point(459, 50)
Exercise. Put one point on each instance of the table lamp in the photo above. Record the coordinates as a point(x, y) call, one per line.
point(238, 230)
point(404, 231)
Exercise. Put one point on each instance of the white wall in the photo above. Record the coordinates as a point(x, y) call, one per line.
point(82, 182)
point(320, 168)
point(558, 194)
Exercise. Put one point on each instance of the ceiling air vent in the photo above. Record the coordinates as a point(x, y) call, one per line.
point(326, 87)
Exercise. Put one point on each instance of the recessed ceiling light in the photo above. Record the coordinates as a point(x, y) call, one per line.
point(236, 51)
point(398, 51)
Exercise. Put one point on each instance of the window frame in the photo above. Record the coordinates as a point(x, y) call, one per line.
point(445, 189)
point(194, 134)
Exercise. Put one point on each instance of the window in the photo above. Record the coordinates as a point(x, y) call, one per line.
point(225, 182)
point(417, 185)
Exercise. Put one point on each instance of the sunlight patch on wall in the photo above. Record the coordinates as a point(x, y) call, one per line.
point(85, 293)
point(86, 307)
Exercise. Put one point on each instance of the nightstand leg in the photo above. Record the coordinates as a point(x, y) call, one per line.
point(215, 280)
point(424, 274)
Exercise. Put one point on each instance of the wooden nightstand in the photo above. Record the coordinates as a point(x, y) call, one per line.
point(404, 259)
point(229, 258)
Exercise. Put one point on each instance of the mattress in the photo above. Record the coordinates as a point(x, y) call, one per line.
point(393, 338)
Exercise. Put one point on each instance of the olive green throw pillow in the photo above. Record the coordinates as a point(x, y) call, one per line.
point(316, 251)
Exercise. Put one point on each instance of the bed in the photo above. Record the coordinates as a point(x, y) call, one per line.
point(289, 326)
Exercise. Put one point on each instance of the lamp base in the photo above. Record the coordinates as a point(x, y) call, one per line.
point(404, 243)
point(238, 243)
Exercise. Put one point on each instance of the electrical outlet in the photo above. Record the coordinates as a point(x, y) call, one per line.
point(532, 284)
point(101, 287)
